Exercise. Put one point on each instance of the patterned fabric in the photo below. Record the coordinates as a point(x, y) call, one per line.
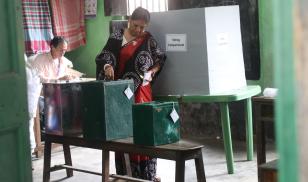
point(141, 59)
point(131, 61)
point(145, 169)
point(68, 21)
point(37, 26)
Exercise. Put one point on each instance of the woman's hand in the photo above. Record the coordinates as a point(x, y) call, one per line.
point(154, 70)
point(148, 76)
point(109, 72)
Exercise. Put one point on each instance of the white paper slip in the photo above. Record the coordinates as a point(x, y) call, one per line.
point(128, 92)
point(148, 76)
point(270, 92)
point(174, 115)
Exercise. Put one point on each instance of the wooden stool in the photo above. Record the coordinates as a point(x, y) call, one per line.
point(268, 171)
point(264, 115)
point(179, 152)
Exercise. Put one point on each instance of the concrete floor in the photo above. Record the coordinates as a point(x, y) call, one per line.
point(213, 157)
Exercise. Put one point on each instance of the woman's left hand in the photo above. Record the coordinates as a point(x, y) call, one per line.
point(154, 70)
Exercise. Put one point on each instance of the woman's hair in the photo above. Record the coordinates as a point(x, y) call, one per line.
point(141, 14)
point(57, 40)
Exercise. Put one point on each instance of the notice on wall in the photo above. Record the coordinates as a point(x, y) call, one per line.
point(176, 43)
point(90, 9)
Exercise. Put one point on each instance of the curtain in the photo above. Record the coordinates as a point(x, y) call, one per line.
point(68, 21)
point(37, 26)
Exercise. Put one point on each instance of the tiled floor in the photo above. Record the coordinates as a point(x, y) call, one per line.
point(213, 157)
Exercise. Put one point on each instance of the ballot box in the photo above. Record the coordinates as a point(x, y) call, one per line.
point(63, 106)
point(204, 50)
point(156, 123)
point(107, 109)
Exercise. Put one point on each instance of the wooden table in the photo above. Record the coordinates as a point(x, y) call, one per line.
point(223, 100)
point(179, 152)
point(263, 115)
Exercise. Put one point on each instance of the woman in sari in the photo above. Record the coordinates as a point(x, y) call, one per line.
point(133, 53)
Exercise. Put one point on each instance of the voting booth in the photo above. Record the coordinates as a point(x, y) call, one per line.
point(203, 48)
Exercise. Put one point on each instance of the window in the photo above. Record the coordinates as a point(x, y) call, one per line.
point(151, 5)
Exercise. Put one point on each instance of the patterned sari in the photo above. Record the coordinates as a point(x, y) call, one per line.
point(131, 61)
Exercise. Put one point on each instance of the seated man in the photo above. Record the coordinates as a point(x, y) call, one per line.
point(42, 68)
point(53, 65)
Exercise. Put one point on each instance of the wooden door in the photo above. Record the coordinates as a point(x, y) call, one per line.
point(287, 78)
point(15, 159)
point(300, 28)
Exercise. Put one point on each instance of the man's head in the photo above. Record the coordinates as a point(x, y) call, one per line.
point(138, 21)
point(58, 46)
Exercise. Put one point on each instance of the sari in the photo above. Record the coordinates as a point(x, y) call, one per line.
point(131, 61)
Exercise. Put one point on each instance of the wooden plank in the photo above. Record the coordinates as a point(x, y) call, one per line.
point(272, 165)
point(59, 167)
point(301, 68)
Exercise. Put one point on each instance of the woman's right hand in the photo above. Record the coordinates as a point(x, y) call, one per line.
point(109, 72)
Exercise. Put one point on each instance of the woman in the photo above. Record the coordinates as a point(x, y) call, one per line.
point(133, 53)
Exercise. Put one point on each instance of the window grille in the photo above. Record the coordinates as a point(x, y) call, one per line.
point(151, 5)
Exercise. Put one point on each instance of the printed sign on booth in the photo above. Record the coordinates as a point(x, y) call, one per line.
point(176, 42)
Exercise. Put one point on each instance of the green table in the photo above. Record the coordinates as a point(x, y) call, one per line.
point(223, 100)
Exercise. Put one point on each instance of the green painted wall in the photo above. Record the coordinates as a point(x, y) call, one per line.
point(97, 32)
point(266, 45)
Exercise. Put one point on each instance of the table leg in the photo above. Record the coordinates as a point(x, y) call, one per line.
point(225, 121)
point(200, 167)
point(249, 132)
point(68, 159)
point(180, 169)
point(260, 132)
point(47, 156)
point(105, 167)
point(127, 165)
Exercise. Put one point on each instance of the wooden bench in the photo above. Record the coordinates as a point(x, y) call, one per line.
point(268, 171)
point(179, 152)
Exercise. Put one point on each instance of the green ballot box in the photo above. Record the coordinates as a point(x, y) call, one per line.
point(156, 123)
point(107, 109)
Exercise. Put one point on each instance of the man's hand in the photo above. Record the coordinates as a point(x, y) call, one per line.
point(67, 77)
